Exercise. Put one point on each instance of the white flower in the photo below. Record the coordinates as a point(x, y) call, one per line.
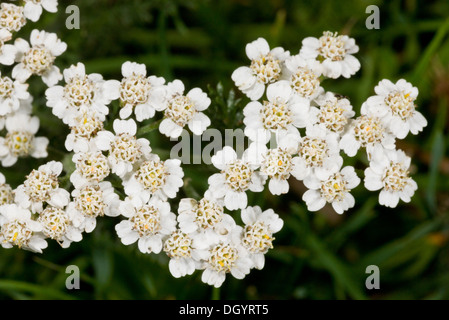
point(154, 178)
point(6, 192)
point(33, 8)
point(283, 112)
point(145, 95)
point(226, 255)
point(266, 67)
point(395, 104)
point(39, 58)
point(92, 201)
point(185, 253)
point(304, 76)
point(182, 110)
point(92, 167)
point(83, 128)
point(277, 164)
point(7, 51)
point(202, 216)
point(366, 132)
point(236, 176)
point(148, 223)
point(334, 112)
point(389, 172)
point(318, 154)
point(20, 141)
point(17, 228)
point(42, 186)
point(334, 189)
point(11, 17)
point(82, 93)
point(12, 94)
point(258, 232)
point(124, 148)
point(56, 225)
point(334, 52)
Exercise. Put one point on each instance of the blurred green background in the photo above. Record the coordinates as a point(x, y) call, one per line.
point(317, 255)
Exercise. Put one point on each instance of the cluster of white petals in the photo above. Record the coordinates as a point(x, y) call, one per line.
point(115, 173)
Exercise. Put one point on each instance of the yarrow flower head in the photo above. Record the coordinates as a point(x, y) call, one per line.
point(139, 93)
point(148, 223)
point(12, 17)
point(42, 186)
point(236, 177)
point(6, 192)
point(38, 59)
point(90, 202)
point(394, 103)
point(334, 52)
point(82, 93)
point(154, 177)
point(57, 225)
point(266, 67)
point(257, 236)
point(83, 129)
point(182, 110)
point(334, 189)
point(124, 148)
point(389, 171)
point(283, 112)
point(20, 141)
point(17, 228)
point(92, 167)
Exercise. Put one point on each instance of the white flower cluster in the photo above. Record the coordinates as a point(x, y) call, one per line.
point(200, 235)
point(311, 127)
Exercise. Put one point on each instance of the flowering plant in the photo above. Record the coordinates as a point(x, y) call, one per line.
point(296, 129)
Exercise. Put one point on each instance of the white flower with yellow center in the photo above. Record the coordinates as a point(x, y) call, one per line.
point(38, 59)
point(138, 92)
point(283, 112)
point(266, 67)
point(124, 149)
point(182, 110)
point(237, 176)
point(366, 131)
point(12, 17)
point(12, 94)
point(389, 172)
point(258, 232)
point(318, 153)
point(20, 140)
point(83, 128)
point(90, 202)
point(154, 178)
point(33, 8)
point(82, 93)
point(6, 192)
point(148, 223)
point(92, 167)
point(56, 225)
point(185, 256)
point(277, 163)
point(17, 228)
point(7, 51)
point(226, 254)
point(334, 112)
point(304, 76)
point(203, 216)
point(42, 186)
point(334, 189)
point(334, 52)
point(394, 103)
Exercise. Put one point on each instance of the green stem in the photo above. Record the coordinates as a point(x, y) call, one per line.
point(149, 128)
